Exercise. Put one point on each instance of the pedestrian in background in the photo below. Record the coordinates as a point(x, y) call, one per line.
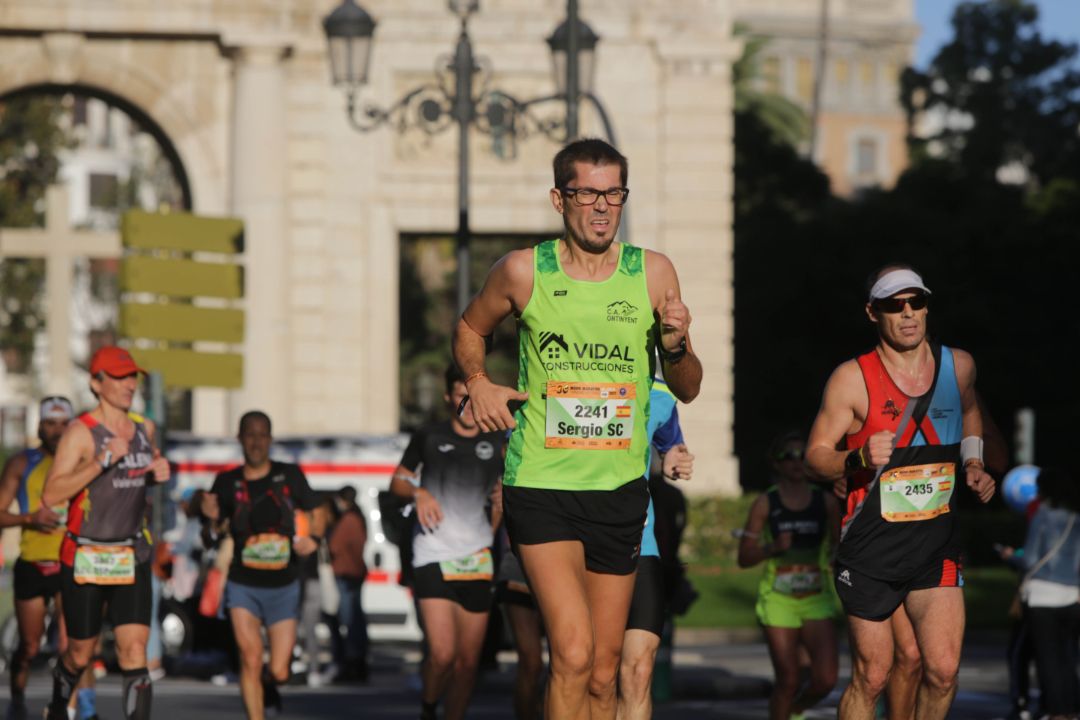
point(1051, 592)
point(347, 543)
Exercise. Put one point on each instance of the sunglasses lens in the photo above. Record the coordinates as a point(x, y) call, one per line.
point(895, 305)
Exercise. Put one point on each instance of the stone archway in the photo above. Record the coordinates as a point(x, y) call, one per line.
point(113, 68)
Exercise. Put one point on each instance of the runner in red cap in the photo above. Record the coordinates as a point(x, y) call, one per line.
point(114, 361)
point(103, 465)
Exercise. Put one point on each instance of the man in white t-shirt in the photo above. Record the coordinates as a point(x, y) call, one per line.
point(451, 470)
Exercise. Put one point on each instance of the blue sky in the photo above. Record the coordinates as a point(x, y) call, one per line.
point(1058, 19)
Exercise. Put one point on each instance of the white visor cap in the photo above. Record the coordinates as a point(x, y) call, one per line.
point(896, 281)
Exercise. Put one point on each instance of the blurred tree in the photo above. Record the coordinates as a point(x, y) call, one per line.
point(30, 138)
point(1002, 101)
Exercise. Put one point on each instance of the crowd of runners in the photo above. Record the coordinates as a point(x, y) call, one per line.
point(537, 497)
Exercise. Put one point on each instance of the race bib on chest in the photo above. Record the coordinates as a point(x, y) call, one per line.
point(797, 580)
point(266, 551)
point(104, 565)
point(917, 492)
point(590, 416)
point(478, 566)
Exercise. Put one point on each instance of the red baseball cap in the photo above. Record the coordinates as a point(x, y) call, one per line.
point(114, 361)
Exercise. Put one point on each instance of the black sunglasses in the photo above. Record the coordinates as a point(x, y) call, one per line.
point(917, 301)
point(789, 455)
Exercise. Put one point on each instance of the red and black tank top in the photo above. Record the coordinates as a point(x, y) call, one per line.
point(112, 508)
point(902, 518)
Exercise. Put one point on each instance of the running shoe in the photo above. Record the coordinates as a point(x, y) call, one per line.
point(271, 698)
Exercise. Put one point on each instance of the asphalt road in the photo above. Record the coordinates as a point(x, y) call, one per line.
point(712, 679)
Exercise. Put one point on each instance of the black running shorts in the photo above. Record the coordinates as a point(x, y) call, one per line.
point(647, 606)
point(36, 580)
point(473, 595)
point(125, 604)
point(871, 599)
point(608, 523)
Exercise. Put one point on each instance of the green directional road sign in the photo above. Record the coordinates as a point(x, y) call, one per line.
point(181, 278)
point(181, 323)
point(188, 368)
point(181, 231)
point(158, 262)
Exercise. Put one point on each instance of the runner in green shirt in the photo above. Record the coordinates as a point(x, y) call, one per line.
point(592, 315)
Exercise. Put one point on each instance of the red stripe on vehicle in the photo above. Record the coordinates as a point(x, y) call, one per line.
point(318, 468)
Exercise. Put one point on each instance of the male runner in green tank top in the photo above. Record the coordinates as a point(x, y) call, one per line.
point(592, 313)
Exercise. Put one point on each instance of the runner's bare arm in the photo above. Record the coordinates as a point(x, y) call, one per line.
point(506, 290)
point(974, 470)
point(9, 485)
point(403, 485)
point(74, 466)
point(835, 419)
point(683, 376)
point(751, 551)
point(995, 450)
point(160, 467)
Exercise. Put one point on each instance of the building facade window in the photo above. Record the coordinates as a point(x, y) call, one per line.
point(804, 80)
point(866, 152)
point(771, 75)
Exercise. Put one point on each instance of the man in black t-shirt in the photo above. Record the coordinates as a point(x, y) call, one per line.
point(450, 471)
point(266, 506)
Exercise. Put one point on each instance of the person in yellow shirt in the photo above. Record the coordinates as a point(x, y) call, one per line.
point(37, 571)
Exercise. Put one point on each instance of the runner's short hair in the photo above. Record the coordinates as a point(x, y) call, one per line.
point(587, 150)
point(255, 415)
point(453, 375)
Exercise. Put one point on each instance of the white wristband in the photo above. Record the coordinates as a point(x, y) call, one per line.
point(971, 448)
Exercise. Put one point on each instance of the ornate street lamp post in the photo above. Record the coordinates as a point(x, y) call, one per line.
point(461, 94)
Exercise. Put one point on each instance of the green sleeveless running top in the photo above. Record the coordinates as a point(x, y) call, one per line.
point(586, 358)
point(799, 571)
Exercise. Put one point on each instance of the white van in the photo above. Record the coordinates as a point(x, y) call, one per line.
point(330, 462)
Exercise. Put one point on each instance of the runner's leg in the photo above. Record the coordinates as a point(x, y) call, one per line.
point(784, 652)
point(610, 595)
point(85, 695)
point(282, 637)
point(819, 638)
point(635, 674)
point(469, 631)
point(246, 628)
point(906, 675)
point(131, 639)
point(556, 573)
point(440, 631)
point(871, 660)
point(937, 615)
point(30, 616)
point(525, 624)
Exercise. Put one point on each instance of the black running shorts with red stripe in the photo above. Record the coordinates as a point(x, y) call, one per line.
point(870, 599)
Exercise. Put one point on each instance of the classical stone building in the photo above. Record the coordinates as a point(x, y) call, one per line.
point(240, 92)
point(861, 124)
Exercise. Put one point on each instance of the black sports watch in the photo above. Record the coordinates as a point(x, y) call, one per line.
point(673, 356)
point(853, 463)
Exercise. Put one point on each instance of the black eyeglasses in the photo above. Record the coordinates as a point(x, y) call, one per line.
point(918, 301)
point(789, 455)
point(588, 196)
